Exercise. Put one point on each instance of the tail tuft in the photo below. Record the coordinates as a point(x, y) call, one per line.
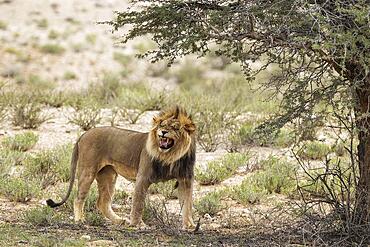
point(51, 203)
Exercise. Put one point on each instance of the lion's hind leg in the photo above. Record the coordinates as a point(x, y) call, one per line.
point(84, 183)
point(106, 180)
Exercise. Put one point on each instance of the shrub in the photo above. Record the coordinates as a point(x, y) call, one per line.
point(209, 204)
point(69, 75)
point(9, 159)
point(247, 135)
point(121, 58)
point(314, 150)
point(43, 23)
point(95, 219)
point(41, 216)
point(19, 189)
point(108, 90)
point(277, 176)
point(27, 113)
point(3, 25)
point(218, 170)
point(167, 189)
point(54, 49)
point(86, 116)
point(53, 34)
point(21, 142)
point(248, 192)
point(53, 165)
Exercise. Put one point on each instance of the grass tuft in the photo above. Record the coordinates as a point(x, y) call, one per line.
point(20, 142)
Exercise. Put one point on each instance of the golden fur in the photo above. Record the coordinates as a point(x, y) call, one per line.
point(166, 152)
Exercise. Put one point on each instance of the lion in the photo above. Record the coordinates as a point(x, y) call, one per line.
point(166, 152)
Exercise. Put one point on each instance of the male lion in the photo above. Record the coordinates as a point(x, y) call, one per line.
point(166, 152)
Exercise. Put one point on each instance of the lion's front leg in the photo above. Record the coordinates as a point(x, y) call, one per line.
point(186, 202)
point(141, 188)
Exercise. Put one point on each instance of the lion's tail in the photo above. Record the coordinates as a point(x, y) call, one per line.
point(50, 202)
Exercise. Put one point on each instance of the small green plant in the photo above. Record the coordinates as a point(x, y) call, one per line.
point(95, 218)
point(19, 189)
point(219, 170)
point(27, 113)
point(54, 49)
point(314, 150)
point(277, 176)
point(121, 58)
point(43, 23)
point(3, 25)
point(167, 189)
point(69, 75)
point(87, 116)
point(41, 216)
point(108, 90)
point(91, 38)
point(53, 34)
point(9, 159)
point(248, 192)
point(21, 142)
point(50, 165)
point(209, 204)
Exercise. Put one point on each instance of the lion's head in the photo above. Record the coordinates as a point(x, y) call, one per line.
point(172, 135)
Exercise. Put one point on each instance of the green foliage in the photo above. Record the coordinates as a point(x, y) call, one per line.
point(210, 203)
point(54, 49)
point(277, 176)
point(248, 192)
point(314, 150)
point(95, 219)
point(19, 189)
point(221, 169)
point(3, 25)
point(21, 142)
point(91, 38)
point(49, 166)
point(43, 23)
point(107, 91)
point(9, 159)
point(69, 75)
point(247, 134)
point(53, 34)
point(86, 116)
point(121, 58)
point(167, 189)
point(41, 216)
point(27, 113)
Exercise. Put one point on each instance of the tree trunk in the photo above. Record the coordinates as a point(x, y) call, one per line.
point(362, 111)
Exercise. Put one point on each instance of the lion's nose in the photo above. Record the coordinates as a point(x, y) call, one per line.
point(164, 132)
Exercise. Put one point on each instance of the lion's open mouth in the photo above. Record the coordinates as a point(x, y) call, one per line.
point(165, 143)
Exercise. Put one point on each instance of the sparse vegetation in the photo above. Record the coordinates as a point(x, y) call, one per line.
point(210, 203)
point(19, 189)
point(49, 165)
point(167, 189)
point(314, 150)
point(3, 25)
point(27, 113)
point(218, 170)
point(87, 116)
point(41, 216)
point(54, 49)
point(69, 75)
point(21, 142)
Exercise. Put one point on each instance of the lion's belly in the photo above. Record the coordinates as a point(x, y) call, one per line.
point(126, 171)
